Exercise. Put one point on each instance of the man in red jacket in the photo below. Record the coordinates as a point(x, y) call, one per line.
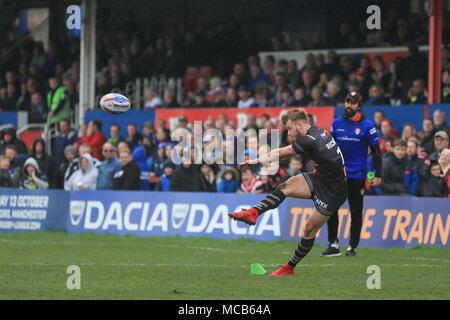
point(94, 138)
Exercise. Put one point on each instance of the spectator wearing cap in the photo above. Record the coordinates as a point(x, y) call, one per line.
point(441, 141)
point(164, 183)
point(94, 138)
point(9, 137)
point(128, 178)
point(153, 101)
point(246, 100)
point(115, 137)
point(257, 76)
point(108, 168)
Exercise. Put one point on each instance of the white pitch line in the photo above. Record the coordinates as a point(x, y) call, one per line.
point(171, 265)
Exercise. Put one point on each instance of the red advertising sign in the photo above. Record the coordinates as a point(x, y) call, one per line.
point(323, 116)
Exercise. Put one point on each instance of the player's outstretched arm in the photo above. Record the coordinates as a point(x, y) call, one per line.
point(274, 155)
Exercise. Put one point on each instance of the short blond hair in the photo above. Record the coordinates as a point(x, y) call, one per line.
point(295, 115)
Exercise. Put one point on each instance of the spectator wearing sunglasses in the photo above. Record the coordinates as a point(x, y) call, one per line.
point(110, 165)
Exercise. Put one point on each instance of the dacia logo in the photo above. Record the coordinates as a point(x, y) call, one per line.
point(76, 212)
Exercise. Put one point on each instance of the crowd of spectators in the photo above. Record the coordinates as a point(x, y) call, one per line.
point(414, 162)
point(45, 83)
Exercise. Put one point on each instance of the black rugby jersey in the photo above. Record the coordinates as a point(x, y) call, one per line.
point(323, 150)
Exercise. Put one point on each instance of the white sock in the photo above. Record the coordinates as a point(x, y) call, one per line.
point(349, 248)
point(335, 246)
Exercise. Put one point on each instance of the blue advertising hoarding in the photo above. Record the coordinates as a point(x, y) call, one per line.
point(387, 222)
point(180, 214)
point(33, 210)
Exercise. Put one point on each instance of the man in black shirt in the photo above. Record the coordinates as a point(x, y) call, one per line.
point(326, 186)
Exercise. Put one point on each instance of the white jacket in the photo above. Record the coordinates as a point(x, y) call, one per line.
point(87, 179)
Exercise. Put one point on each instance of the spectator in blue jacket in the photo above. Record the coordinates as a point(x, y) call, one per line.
point(108, 168)
point(157, 164)
point(228, 182)
point(141, 159)
point(164, 183)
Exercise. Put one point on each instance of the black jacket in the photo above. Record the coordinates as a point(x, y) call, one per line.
point(5, 179)
point(46, 164)
point(129, 178)
point(21, 147)
point(435, 187)
point(392, 175)
point(427, 143)
point(187, 179)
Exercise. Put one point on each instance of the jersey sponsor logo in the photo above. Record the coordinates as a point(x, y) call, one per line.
point(373, 131)
point(331, 144)
point(320, 202)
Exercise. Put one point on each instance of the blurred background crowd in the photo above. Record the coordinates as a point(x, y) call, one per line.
point(220, 67)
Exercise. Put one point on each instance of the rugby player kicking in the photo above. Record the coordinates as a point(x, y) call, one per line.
point(326, 186)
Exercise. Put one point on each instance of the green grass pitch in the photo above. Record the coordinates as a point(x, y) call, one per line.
point(34, 265)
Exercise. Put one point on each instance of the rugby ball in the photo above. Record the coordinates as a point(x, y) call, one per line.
point(115, 103)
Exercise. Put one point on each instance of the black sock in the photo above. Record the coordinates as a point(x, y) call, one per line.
point(272, 201)
point(304, 246)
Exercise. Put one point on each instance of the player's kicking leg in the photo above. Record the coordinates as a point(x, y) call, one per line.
point(299, 186)
point(296, 186)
